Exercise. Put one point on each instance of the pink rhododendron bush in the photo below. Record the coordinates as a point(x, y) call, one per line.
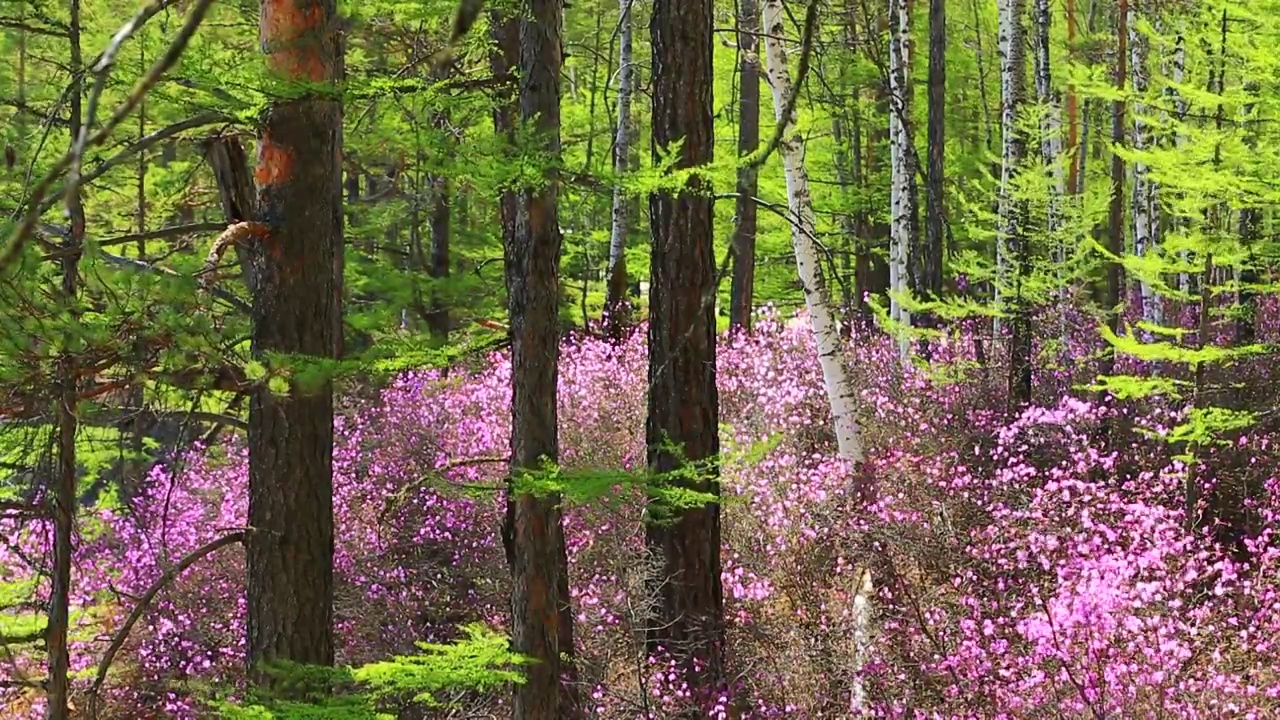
point(1040, 566)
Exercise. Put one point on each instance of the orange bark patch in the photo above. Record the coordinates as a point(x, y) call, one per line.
point(291, 37)
point(275, 163)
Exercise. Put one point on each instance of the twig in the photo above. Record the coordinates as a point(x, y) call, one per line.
point(757, 158)
point(36, 205)
point(217, 292)
point(122, 634)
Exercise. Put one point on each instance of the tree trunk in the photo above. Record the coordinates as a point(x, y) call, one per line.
point(438, 269)
point(58, 685)
point(1146, 208)
point(742, 291)
point(826, 330)
point(1012, 248)
point(930, 271)
point(904, 222)
point(1073, 113)
point(1180, 106)
point(683, 402)
point(542, 623)
point(617, 315)
point(1115, 239)
point(295, 307)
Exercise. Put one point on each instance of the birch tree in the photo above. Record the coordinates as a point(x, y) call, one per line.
point(826, 330)
point(1011, 241)
point(615, 305)
point(904, 223)
point(1145, 203)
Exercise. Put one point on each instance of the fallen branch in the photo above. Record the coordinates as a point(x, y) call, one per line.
point(122, 634)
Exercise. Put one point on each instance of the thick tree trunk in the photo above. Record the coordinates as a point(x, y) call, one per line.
point(295, 299)
point(742, 291)
point(1012, 246)
point(930, 270)
point(617, 315)
point(542, 624)
point(1146, 208)
point(683, 401)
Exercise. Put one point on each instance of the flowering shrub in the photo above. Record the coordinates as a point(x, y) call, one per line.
point(1040, 566)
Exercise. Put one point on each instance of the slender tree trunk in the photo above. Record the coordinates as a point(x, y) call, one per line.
point(438, 269)
point(1073, 116)
point(1249, 225)
point(542, 624)
point(1115, 239)
point(58, 685)
point(904, 223)
point(826, 329)
point(296, 311)
point(1180, 106)
point(1013, 244)
point(617, 315)
point(930, 271)
point(1146, 215)
point(742, 291)
point(683, 401)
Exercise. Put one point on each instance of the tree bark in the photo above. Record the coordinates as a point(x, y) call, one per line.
point(64, 483)
point(542, 624)
point(1146, 207)
point(616, 310)
point(930, 270)
point(742, 290)
point(1115, 239)
point(904, 222)
point(1012, 246)
point(295, 311)
point(683, 402)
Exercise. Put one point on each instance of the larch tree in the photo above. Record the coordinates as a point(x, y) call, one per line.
point(296, 294)
point(682, 427)
point(1114, 296)
point(542, 623)
point(742, 289)
point(929, 265)
point(616, 299)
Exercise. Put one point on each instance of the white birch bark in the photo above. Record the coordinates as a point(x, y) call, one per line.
point(1012, 50)
point(901, 207)
point(622, 142)
point(1145, 202)
point(1051, 152)
point(826, 331)
point(1178, 76)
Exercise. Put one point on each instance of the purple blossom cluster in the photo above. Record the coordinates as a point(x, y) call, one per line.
point(1027, 567)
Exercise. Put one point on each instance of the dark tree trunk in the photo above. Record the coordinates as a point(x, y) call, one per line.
point(1115, 225)
point(542, 623)
point(58, 685)
point(438, 313)
point(742, 290)
point(929, 270)
point(503, 63)
point(295, 311)
point(683, 402)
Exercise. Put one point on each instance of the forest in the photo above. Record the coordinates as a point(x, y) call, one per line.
point(639, 359)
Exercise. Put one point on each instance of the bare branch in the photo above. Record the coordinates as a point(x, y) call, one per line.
point(122, 634)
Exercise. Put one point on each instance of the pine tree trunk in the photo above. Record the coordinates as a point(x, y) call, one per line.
point(542, 622)
point(295, 304)
point(930, 270)
point(438, 269)
point(683, 401)
point(616, 312)
point(1146, 217)
point(1013, 246)
point(742, 290)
